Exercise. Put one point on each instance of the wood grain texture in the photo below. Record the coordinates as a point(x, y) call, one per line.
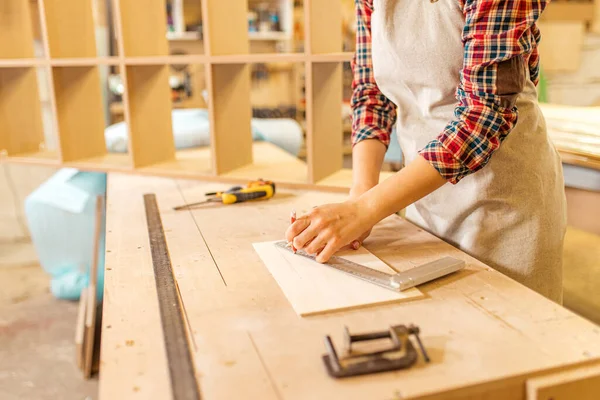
point(133, 362)
point(486, 334)
point(225, 27)
point(79, 112)
point(148, 114)
point(313, 288)
point(142, 26)
point(230, 114)
point(581, 384)
point(324, 135)
point(323, 26)
point(21, 129)
point(16, 33)
point(70, 28)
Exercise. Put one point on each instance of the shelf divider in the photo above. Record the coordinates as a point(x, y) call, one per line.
point(323, 119)
point(21, 128)
point(70, 28)
point(225, 38)
point(16, 31)
point(230, 115)
point(142, 27)
point(79, 112)
point(148, 114)
point(323, 26)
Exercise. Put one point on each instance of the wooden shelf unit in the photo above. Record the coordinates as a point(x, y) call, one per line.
point(143, 61)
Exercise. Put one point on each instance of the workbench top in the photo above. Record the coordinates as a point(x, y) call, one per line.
point(484, 332)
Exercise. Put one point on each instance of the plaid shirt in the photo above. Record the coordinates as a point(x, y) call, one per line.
point(500, 40)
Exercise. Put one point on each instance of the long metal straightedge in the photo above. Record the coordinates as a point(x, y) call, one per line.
point(184, 385)
point(352, 268)
point(396, 282)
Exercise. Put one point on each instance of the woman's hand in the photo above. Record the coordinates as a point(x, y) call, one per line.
point(328, 228)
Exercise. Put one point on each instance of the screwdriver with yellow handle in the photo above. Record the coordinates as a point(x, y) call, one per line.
point(252, 193)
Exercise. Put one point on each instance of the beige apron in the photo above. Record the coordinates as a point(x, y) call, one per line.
point(511, 214)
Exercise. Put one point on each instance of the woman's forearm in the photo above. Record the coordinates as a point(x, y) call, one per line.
point(367, 159)
point(410, 184)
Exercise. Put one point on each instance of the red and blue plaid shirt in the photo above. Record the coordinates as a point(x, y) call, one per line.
point(500, 40)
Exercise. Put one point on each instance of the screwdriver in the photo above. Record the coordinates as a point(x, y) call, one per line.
point(257, 192)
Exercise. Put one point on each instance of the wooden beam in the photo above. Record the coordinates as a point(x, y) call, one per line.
point(16, 33)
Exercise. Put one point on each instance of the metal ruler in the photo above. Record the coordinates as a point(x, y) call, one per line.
point(396, 282)
point(184, 385)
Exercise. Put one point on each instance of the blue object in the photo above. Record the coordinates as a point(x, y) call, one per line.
point(394, 152)
point(61, 216)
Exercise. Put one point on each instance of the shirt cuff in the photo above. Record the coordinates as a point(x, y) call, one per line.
point(371, 132)
point(444, 162)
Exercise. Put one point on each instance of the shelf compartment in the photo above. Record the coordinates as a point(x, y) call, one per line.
point(69, 36)
point(225, 38)
point(109, 162)
point(21, 126)
point(323, 119)
point(79, 112)
point(142, 28)
point(148, 105)
point(230, 116)
point(16, 30)
point(271, 163)
point(323, 24)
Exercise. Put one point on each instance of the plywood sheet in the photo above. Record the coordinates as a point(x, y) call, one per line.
point(313, 288)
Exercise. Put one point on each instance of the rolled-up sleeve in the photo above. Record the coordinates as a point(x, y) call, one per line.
point(500, 44)
point(373, 114)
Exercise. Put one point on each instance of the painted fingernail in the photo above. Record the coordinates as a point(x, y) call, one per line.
point(356, 245)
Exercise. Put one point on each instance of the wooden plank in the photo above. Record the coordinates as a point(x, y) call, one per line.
point(485, 333)
point(225, 38)
point(581, 384)
point(324, 134)
point(16, 33)
point(561, 46)
point(70, 36)
point(80, 328)
point(90, 320)
point(230, 114)
point(569, 11)
point(132, 357)
point(323, 26)
point(142, 28)
point(313, 289)
point(21, 129)
point(79, 112)
point(149, 113)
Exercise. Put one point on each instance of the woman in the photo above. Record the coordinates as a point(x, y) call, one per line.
point(481, 173)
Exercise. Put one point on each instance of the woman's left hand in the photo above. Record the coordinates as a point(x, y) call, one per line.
point(328, 228)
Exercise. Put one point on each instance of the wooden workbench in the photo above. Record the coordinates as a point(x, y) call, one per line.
point(486, 334)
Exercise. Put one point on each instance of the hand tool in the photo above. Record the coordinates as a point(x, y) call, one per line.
point(255, 191)
point(184, 385)
point(396, 282)
point(401, 354)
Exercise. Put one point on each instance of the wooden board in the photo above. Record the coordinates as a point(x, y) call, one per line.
point(142, 27)
point(148, 112)
point(581, 384)
point(230, 37)
point(16, 34)
point(313, 288)
point(486, 334)
point(324, 133)
point(562, 45)
point(21, 129)
point(80, 118)
point(72, 36)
